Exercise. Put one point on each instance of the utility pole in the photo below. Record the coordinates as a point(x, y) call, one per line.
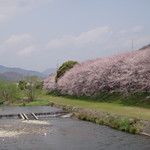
point(132, 46)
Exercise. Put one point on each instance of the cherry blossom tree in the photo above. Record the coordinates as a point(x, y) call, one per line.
point(126, 72)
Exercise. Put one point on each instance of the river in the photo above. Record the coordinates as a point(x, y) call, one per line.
point(56, 133)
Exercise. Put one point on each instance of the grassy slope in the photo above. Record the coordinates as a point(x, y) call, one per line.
point(129, 106)
point(135, 106)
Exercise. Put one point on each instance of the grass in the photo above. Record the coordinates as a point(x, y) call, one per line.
point(124, 124)
point(135, 105)
point(114, 104)
point(38, 102)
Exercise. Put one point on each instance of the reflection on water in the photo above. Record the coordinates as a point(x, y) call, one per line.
point(69, 134)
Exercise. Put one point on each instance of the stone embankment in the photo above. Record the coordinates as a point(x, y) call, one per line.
point(123, 123)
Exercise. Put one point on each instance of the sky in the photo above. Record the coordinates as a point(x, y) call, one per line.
point(41, 34)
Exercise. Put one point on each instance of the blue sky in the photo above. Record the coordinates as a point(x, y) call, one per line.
point(39, 34)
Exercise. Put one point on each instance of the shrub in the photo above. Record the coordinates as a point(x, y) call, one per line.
point(125, 124)
point(65, 67)
point(22, 85)
point(135, 129)
point(8, 91)
point(39, 85)
point(31, 91)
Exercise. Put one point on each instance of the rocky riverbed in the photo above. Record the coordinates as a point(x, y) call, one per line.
point(15, 128)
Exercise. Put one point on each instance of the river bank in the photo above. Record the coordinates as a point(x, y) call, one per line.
point(62, 133)
point(128, 124)
point(128, 118)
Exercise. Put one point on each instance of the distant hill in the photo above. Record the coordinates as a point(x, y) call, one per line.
point(49, 71)
point(17, 74)
point(4, 69)
point(11, 76)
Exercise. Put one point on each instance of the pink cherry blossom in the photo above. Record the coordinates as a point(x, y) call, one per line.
point(126, 72)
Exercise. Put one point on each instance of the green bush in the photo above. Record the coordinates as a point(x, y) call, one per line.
point(31, 91)
point(135, 129)
point(39, 85)
point(8, 91)
point(64, 67)
point(125, 124)
point(22, 85)
point(31, 87)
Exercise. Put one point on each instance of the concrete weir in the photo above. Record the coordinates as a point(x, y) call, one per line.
point(22, 116)
point(25, 116)
point(34, 116)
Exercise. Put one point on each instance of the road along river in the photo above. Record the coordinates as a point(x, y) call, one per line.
point(57, 133)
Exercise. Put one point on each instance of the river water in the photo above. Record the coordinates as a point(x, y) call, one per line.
point(64, 134)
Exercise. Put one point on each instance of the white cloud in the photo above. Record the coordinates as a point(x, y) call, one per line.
point(137, 28)
point(102, 38)
point(16, 39)
point(93, 36)
point(11, 8)
point(26, 51)
point(133, 30)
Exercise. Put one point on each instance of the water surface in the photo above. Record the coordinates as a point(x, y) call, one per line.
point(69, 134)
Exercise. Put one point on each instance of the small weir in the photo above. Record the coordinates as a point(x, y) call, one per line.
point(34, 116)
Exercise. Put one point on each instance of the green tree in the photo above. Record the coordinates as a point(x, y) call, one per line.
point(22, 85)
point(31, 91)
point(8, 91)
point(39, 85)
point(64, 67)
